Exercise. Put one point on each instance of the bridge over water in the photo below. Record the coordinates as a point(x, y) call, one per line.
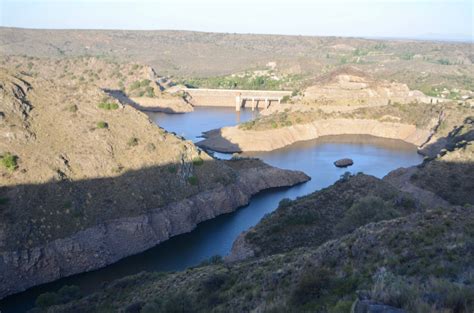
point(235, 97)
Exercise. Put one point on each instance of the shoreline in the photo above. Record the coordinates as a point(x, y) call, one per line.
point(236, 140)
point(96, 247)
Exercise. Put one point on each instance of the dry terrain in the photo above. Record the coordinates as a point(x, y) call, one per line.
point(86, 180)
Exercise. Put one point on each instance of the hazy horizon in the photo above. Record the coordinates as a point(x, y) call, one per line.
point(378, 19)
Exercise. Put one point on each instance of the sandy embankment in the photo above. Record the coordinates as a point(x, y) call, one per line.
point(234, 139)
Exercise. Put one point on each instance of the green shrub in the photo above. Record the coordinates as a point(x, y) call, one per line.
point(213, 260)
point(444, 62)
point(151, 307)
point(9, 161)
point(149, 92)
point(65, 294)
point(311, 286)
point(68, 293)
point(4, 200)
point(342, 306)
point(102, 125)
point(407, 56)
point(135, 85)
point(178, 303)
point(47, 299)
point(285, 99)
point(145, 83)
point(172, 169)
point(345, 176)
point(284, 203)
point(150, 147)
point(214, 282)
point(73, 108)
point(197, 161)
point(193, 180)
point(132, 142)
point(108, 105)
point(365, 210)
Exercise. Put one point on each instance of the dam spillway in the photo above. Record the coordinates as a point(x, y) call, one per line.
point(237, 98)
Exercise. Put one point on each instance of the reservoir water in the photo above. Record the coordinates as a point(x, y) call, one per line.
point(371, 155)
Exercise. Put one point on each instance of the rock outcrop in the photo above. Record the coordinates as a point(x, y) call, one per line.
point(343, 162)
point(351, 86)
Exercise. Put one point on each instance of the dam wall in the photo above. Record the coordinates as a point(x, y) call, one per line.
point(234, 97)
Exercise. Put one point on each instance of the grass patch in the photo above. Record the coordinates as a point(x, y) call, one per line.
point(197, 161)
point(108, 106)
point(65, 294)
point(9, 161)
point(72, 108)
point(193, 180)
point(132, 142)
point(102, 125)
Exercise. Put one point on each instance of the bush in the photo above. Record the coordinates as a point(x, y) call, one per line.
point(285, 99)
point(151, 307)
point(342, 306)
point(64, 295)
point(108, 105)
point(132, 142)
point(9, 161)
point(345, 176)
point(102, 125)
point(213, 260)
point(286, 202)
point(149, 92)
point(193, 180)
point(197, 161)
point(312, 286)
point(135, 85)
point(46, 300)
point(444, 62)
point(214, 282)
point(178, 303)
point(73, 108)
point(365, 210)
point(145, 83)
point(172, 169)
point(69, 293)
point(4, 200)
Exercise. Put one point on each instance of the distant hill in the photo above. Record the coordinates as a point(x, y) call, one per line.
point(200, 54)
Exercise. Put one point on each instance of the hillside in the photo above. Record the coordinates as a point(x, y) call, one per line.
point(422, 65)
point(86, 180)
point(391, 263)
point(363, 244)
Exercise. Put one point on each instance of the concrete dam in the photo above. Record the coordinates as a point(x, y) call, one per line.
point(235, 97)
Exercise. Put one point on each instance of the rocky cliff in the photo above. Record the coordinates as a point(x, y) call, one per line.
point(108, 242)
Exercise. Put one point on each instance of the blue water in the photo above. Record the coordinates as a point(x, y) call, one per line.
point(215, 237)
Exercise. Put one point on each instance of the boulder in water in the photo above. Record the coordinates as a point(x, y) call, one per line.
point(344, 162)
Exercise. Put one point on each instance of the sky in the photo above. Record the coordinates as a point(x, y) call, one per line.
point(422, 19)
